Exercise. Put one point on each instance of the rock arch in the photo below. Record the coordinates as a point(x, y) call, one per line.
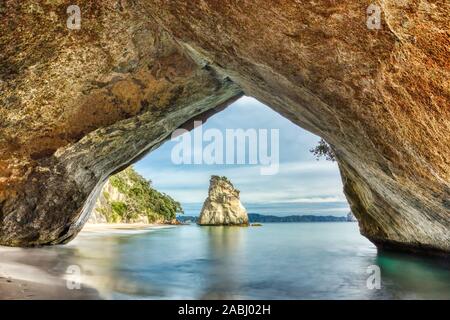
point(78, 105)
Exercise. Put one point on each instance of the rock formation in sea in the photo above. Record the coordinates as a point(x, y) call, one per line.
point(222, 206)
point(351, 217)
point(80, 105)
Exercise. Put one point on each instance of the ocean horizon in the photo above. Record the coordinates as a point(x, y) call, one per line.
point(332, 208)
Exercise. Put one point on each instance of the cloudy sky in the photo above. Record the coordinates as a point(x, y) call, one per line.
point(300, 178)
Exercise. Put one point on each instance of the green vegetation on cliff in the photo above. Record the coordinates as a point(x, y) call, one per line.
point(139, 200)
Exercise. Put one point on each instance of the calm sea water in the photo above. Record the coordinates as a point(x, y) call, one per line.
point(275, 261)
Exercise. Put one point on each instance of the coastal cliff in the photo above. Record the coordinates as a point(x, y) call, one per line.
point(128, 198)
point(223, 206)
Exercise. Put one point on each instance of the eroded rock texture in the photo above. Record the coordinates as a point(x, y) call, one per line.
point(223, 205)
point(78, 105)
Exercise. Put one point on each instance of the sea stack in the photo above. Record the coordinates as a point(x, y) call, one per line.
point(223, 206)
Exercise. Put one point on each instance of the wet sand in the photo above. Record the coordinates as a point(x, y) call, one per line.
point(30, 273)
point(13, 289)
point(20, 281)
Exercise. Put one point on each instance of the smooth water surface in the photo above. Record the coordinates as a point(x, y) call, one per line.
point(274, 261)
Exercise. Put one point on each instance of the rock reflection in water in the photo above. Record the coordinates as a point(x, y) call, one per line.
point(225, 249)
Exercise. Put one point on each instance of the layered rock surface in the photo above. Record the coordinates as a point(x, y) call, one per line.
point(223, 206)
point(79, 105)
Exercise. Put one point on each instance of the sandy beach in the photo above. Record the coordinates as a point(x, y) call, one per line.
point(90, 227)
point(22, 281)
point(14, 289)
point(35, 273)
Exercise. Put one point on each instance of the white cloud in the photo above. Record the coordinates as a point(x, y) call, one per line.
point(316, 200)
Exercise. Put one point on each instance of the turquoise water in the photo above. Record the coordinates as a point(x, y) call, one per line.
point(275, 261)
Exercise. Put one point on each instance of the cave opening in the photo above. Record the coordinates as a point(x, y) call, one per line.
point(267, 157)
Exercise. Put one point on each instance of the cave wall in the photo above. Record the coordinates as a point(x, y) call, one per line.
point(81, 104)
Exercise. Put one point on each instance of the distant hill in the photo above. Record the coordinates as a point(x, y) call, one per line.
point(255, 217)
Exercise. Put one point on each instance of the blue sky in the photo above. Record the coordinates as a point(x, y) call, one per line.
point(301, 178)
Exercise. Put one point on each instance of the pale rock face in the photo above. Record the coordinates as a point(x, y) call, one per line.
point(223, 206)
point(108, 194)
point(102, 206)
